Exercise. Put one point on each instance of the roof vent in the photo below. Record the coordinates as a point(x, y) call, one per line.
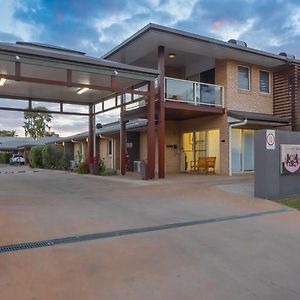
point(287, 55)
point(237, 42)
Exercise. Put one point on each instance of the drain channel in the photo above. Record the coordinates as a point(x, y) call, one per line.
point(111, 234)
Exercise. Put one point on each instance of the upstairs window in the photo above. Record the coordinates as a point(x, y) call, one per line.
point(244, 78)
point(264, 82)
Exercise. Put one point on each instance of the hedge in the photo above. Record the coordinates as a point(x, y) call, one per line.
point(35, 157)
point(4, 157)
point(53, 157)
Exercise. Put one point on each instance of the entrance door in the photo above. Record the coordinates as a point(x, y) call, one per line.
point(199, 144)
point(193, 147)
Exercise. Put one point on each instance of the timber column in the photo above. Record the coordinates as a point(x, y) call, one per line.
point(151, 131)
point(161, 113)
point(91, 158)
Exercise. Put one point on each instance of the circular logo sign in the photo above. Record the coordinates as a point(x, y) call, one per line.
point(271, 139)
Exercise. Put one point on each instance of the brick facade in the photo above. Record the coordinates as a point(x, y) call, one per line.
point(235, 99)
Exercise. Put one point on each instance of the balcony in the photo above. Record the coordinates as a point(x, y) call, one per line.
point(196, 93)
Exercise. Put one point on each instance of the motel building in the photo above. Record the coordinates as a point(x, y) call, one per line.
point(207, 101)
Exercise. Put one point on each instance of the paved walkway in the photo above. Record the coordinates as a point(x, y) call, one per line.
point(216, 257)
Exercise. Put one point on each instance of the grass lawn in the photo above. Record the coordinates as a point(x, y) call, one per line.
point(291, 202)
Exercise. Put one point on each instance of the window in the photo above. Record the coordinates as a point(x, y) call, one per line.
point(244, 78)
point(110, 147)
point(264, 82)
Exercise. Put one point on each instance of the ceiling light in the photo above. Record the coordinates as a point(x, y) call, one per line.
point(2, 81)
point(172, 55)
point(81, 91)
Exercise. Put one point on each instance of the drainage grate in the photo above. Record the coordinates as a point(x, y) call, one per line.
point(111, 234)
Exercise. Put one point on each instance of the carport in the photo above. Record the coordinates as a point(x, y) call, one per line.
point(44, 73)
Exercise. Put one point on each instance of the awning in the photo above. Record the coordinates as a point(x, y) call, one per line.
point(257, 118)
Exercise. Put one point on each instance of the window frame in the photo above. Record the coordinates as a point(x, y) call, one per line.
point(269, 73)
point(110, 148)
point(249, 78)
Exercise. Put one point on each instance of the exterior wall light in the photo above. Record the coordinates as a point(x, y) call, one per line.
point(81, 91)
point(172, 55)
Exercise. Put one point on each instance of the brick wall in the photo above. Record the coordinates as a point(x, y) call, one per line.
point(253, 100)
point(108, 159)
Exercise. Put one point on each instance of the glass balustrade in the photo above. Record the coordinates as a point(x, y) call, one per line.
point(193, 92)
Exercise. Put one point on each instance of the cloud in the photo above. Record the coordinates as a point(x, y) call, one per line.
point(96, 26)
point(228, 29)
point(120, 24)
point(16, 28)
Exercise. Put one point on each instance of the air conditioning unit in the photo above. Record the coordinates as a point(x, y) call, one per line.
point(72, 164)
point(137, 166)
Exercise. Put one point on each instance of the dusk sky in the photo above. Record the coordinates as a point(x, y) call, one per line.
point(97, 26)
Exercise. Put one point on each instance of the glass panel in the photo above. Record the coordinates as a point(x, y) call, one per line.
point(248, 150)
point(208, 94)
point(213, 146)
point(236, 147)
point(264, 82)
point(179, 90)
point(200, 144)
point(187, 151)
point(243, 78)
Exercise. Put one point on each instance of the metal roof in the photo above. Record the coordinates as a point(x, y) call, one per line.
point(43, 52)
point(109, 128)
point(48, 46)
point(16, 143)
point(165, 36)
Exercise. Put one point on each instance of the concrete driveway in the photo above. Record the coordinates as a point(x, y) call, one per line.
point(219, 242)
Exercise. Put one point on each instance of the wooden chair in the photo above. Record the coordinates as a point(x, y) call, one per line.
point(194, 166)
point(210, 165)
point(204, 164)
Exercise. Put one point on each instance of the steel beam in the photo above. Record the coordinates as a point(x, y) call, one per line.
point(43, 111)
point(73, 84)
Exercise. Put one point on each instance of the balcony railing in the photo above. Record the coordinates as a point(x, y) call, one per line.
point(194, 92)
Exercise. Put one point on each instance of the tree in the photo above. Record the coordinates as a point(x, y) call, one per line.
point(8, 133)
point(36, 124)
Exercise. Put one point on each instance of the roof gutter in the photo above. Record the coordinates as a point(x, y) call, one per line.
point(243, 123)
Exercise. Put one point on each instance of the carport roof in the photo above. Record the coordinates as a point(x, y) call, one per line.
point(52, 74)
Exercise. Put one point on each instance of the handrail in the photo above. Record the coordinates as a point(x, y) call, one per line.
point(195, 92)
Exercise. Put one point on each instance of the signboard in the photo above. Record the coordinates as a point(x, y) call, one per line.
point(270, 139)
point(290, 159)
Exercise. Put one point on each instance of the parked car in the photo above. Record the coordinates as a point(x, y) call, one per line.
point(17, 159)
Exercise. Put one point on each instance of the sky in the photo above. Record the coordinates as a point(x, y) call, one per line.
point(96, 26)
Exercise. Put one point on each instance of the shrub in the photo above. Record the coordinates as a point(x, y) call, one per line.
point(4, 157)
point(109, 172)
point(101, 167)
point(84, 168)
point(35, 157)
point(53, 157)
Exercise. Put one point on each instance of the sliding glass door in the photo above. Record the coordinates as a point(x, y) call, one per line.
point(242, 150)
